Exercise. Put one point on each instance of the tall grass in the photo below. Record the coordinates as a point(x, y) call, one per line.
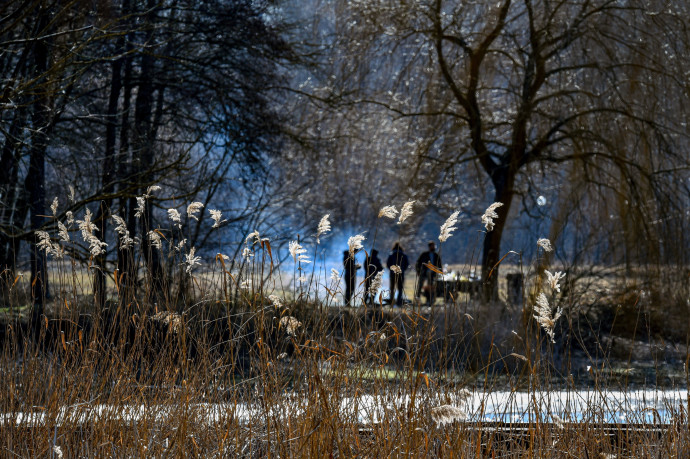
point(247, 358)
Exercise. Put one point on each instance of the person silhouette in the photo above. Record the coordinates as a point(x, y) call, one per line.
point(350, 275)
point(372, 266)
point(426, 275)
point(397, 263)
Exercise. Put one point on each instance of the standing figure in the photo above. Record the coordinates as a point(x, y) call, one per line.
point(372, 266)
point(397, 263)
point(351, 267)
point(426, 275)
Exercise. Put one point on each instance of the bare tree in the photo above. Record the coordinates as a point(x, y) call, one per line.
point(517, 87)
point(40, 42)
point(113, 98)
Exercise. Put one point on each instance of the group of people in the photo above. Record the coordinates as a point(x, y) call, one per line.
point(427, 265)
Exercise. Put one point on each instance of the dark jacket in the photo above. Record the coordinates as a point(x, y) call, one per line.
point(432, 258)
point(398, 257)
point(372, 265)
point(350, 264)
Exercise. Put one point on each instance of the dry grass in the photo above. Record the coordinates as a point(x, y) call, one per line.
point(218, 370)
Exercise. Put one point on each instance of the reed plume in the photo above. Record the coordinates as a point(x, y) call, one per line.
point(354, 243)
point(290, 324)
point(553, 279)
point(46, 244)
point(193, 209)
point(216, 216)
point(96, 247)
point(388, 212)
point(155, 239)
point(545, 316)
point(489, 215)
point(447, 414)
point(545, 244)
point(406, 211)
point(298, 252)
point(323, 228)
point(191, 260)
point(447, 228)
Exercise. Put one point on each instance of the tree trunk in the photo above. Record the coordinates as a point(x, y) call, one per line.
point(143, 151)
point(12, 212)
point(109, 160)
point(126, 265)
point(491, 253)
point(35, 179)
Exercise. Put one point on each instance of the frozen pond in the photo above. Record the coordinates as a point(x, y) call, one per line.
point(633, 406)
point(641, 406)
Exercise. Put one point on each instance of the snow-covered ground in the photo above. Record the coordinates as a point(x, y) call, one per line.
point(634, 406)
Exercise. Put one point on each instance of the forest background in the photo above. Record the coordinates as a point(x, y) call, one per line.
point(573, 114)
